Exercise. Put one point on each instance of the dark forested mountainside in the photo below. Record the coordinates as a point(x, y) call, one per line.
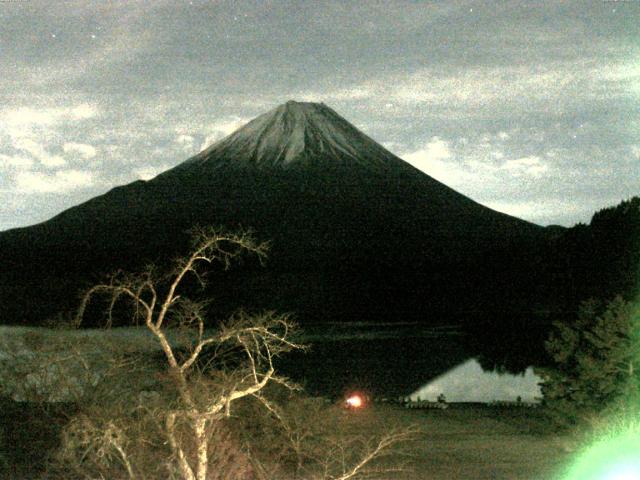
point(590, 264)
point(599, 260)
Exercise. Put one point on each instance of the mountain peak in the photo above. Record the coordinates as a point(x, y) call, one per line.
point(301, 105)
point(294, 133)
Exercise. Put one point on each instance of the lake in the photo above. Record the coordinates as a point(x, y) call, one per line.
point(385, 360)
point(394, 361)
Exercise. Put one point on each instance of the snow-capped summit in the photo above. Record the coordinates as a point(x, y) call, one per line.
point(297, 132)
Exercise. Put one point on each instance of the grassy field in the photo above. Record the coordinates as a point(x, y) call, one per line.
point(471, 442)
point(462, 442)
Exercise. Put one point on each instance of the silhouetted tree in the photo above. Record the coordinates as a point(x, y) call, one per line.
point(599, 260)
point(597, 363)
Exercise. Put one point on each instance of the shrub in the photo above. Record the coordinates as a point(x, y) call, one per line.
point(596, 363)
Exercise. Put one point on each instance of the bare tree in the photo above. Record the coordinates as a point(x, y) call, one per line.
point(184, 430)
point(354, 457)
point(330, 443)
point(205, 392)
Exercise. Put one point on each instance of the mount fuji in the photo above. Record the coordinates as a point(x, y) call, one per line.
point(357, 233)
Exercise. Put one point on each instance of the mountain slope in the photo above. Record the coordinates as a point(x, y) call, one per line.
point(296, 133)
point(357, 233)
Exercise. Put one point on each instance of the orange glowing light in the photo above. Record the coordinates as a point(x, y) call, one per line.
point(354, 401)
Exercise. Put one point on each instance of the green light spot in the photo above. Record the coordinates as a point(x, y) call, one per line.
point(616, 458)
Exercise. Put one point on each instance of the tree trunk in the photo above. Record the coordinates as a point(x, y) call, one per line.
point(183, 464)
point(200, 427)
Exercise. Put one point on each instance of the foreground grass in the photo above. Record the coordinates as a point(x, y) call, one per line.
point(475, 442)
point(479, 442)
point(471, 442)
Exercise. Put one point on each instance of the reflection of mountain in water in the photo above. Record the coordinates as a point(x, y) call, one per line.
point(387, 362)
point(396, 360)
point(468, 382)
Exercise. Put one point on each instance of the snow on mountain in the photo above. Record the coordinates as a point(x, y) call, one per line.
point(297, 132)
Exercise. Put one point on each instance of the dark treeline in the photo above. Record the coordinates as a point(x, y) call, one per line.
point(596, 262)
point(599, 260)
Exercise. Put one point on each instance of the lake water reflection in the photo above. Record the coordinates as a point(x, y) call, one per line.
point(401, 360)
point(468, 382)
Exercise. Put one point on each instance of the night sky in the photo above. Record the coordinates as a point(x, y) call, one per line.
point(531, 108)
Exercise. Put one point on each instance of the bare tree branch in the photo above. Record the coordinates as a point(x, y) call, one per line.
point(209, 371)
point(261, 338)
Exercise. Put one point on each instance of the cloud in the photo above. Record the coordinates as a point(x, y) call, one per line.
point(435, 160)
point(61, 181)
point(542, 211)
point(34, 131)
point(30, 137)
point(82, 112)
point(526, 166)
point(149, 171)
point(482, 166)
point(480, 86)
point(479, 162)
point(86, 151)
point(551, 87)
point(31, 117)
point(356, 92)
point(37, 151)
point(626, 78)
point(221, 129)
point(16, 161)
point(184, 139)
point(436, 149)
point(26, 116)
point(89, 40)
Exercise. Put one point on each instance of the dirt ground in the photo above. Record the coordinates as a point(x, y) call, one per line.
point(471, 442)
